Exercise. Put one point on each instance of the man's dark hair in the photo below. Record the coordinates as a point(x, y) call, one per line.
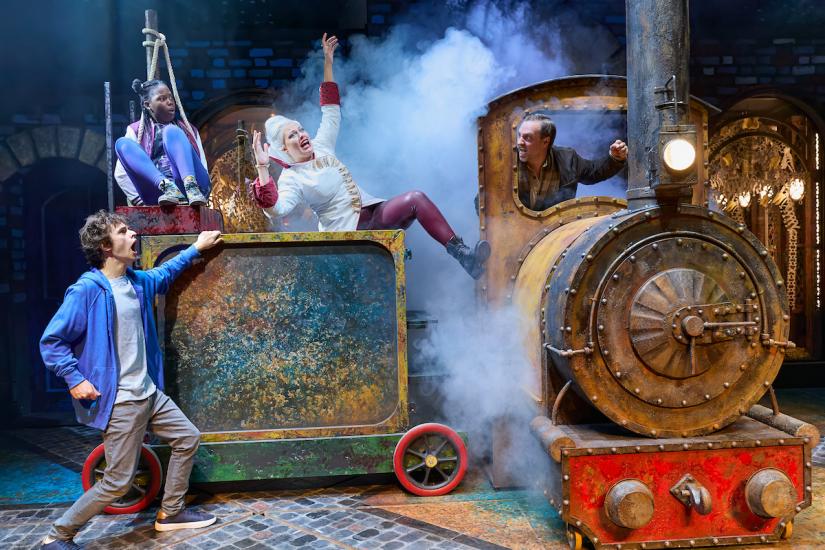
point(95, 233)
point(548, 129)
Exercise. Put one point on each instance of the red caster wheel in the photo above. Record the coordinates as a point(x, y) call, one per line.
point(430, 460)
point(145, 485)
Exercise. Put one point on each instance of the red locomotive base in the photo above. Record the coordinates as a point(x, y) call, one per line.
point(722, 467)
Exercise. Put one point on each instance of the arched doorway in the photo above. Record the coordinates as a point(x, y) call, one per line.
point(55, 195)
point(766, 172)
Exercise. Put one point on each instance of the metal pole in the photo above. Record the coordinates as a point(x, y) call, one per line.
point(110, 178)
point(150, 22)
point(658, 47)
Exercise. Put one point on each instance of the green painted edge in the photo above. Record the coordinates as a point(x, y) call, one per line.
point(290, 458)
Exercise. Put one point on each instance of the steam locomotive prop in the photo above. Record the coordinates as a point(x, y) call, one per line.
point(653, 327)
point(289, 352)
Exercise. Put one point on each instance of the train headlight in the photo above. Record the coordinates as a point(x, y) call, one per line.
point(678, 154)
point(678, 160)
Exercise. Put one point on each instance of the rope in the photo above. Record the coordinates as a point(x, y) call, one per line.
point(158, 43)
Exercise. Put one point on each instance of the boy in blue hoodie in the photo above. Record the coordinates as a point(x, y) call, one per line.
point(103, 343)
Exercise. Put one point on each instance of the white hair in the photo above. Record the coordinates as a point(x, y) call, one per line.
point(274, 128)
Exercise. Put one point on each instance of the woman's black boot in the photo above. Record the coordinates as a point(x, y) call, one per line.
point(471, 259)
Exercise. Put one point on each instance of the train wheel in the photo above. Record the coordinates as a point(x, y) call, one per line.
point(145, 485)
point(430, 460)
point(574, 538)
point(787, 531)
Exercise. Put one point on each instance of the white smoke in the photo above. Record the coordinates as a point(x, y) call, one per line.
point(410, 101)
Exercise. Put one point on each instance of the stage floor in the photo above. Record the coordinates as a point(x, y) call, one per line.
point(39, 477)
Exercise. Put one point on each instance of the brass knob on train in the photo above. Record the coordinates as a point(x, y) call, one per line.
point(629, 504)
point(770, 494)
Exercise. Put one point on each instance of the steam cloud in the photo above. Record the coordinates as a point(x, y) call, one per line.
point(410, 101)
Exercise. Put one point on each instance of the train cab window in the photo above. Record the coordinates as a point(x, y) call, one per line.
point(587, 132)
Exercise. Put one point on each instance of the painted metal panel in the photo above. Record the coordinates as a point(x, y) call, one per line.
point(287, 335)
point(170, 220)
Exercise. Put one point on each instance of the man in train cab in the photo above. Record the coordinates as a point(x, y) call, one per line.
point(548, 175)
point(102, 342)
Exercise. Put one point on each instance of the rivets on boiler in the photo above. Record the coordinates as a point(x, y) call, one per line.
point(726, 384)
point(763, 253)
point(725, 256)
point(632, 259)
point(655, 246)
point(741, 274)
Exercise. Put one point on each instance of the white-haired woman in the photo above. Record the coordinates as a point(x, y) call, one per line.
point(313, 175)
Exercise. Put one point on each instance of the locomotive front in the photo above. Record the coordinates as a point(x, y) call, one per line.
point(671, 323)
point(652, 326)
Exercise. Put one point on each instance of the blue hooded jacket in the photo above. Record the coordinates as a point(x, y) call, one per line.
point(78, 344)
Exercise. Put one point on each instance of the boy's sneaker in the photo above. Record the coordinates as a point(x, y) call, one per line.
point(59, 545)
point(185, 519)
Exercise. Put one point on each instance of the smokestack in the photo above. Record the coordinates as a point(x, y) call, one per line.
point(658, 48)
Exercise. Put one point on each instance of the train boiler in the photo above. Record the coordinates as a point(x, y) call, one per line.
point(653, 326)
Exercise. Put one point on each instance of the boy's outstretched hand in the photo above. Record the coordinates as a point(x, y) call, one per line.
point(208, 239)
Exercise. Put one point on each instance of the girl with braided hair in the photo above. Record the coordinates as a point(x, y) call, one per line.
point(314, 175)
point(161, 158)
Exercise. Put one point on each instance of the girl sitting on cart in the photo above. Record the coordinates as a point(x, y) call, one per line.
point(161, 158)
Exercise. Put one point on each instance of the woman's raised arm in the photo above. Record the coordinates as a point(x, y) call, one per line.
point(329, 45)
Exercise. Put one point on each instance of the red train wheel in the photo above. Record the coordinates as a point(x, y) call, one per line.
point(430, 460)
point(145, 485)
